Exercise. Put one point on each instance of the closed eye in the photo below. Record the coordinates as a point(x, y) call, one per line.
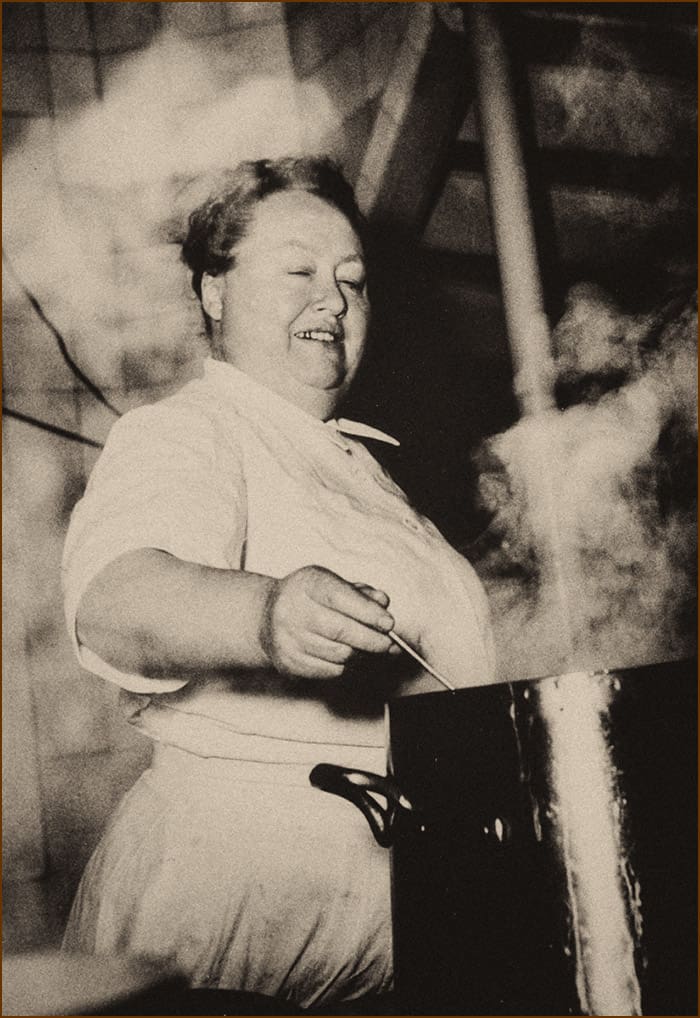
point(355, 284)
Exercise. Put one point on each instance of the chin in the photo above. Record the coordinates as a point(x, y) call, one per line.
point(328, 383)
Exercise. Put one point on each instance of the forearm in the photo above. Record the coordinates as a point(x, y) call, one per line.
point(151, 613)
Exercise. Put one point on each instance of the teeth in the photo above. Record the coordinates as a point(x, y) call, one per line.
point(323, 337)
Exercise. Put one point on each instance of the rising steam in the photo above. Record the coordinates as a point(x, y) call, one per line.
point(89, 196)
point(619, 459)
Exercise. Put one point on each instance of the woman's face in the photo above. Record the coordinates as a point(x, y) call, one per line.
point(293, 309)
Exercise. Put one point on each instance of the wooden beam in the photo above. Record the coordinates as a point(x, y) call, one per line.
point(645, 176)
point(421, 158)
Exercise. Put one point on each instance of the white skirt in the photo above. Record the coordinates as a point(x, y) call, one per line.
point(245, 877)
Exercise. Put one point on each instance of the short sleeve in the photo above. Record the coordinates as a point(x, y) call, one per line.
point(170, 477)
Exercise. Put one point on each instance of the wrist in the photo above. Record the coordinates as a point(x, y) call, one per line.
point(269, 594)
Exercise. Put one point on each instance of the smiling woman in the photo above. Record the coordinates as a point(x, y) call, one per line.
point(293, 310)
point(293, 233)
point(236, 567)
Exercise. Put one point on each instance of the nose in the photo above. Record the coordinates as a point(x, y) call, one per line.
point(329, 297)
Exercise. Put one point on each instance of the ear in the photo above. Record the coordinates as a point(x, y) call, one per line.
point(213, 295)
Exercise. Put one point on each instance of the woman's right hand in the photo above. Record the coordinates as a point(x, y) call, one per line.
point(315, 623)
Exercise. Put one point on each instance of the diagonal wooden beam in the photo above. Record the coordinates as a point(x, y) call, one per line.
point(415, 170)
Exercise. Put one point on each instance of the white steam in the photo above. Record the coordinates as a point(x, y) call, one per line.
point(607, 579)
point(88, 197)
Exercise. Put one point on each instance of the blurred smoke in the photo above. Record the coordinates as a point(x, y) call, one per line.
point(619, 456)
point(608, 95)
point(89, 196)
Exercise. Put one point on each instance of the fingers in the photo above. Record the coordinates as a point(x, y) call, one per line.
point(314, 622)
point(339, 628)
point(324, 649)
point(309, 667)
point(352, 600)
point(377, 595)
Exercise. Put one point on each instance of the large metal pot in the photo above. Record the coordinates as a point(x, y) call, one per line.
point(544, 844)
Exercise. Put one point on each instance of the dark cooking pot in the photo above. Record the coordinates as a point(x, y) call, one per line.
point(544, 844)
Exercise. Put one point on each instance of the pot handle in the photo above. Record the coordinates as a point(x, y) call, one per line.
point(357, 787)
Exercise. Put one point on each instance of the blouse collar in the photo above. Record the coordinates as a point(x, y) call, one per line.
point(258, 399)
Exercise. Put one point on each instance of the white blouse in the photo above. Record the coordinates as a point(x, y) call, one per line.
point(226, 473)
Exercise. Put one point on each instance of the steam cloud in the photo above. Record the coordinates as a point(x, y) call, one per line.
point(612, 584)
point(89, 196)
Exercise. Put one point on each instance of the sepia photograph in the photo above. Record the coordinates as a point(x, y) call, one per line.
point(349, 358)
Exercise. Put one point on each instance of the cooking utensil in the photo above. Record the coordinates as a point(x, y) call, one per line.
point(548, 862)
point(400, 642)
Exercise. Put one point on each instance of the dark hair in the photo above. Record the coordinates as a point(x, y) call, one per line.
point(220, 222)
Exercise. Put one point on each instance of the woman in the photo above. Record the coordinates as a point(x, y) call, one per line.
point(236, 565)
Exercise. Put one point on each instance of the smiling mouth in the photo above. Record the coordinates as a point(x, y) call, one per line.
point(319, 336)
